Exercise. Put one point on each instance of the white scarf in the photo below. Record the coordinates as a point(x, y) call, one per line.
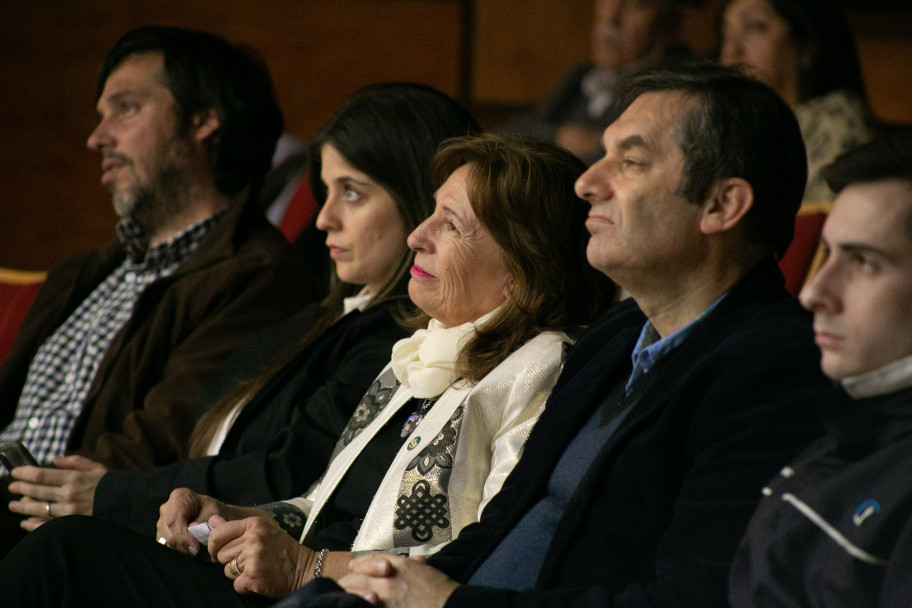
point(426, 361)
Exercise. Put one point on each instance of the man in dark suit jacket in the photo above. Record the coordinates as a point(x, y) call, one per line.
point(636, 485)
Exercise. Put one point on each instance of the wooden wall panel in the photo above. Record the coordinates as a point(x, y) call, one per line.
point(887, 70)
point(319, 51)
point(523, 46)
point(885, 48)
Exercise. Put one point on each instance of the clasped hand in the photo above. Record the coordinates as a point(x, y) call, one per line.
point(394, 581)
point(244, 539)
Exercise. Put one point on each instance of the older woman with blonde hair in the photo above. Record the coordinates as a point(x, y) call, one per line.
point(500, 272)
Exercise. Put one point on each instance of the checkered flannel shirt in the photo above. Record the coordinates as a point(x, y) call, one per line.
point(64, 367)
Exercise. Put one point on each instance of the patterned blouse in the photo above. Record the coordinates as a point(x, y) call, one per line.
point(830, 125)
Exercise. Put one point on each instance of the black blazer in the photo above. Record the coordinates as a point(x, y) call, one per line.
point(657, 518)
point(283, 438)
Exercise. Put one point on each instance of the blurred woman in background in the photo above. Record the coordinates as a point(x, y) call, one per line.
point(804, 49)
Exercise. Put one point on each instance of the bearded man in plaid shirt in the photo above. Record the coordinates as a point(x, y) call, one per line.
point(109, 362)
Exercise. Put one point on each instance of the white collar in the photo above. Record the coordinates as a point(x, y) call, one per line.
point(889, 378)
point(359, 301)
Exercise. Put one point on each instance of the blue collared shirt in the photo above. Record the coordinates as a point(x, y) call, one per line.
point(651, 347)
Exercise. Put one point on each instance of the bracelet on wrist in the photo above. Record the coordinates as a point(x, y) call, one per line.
point(318, 563)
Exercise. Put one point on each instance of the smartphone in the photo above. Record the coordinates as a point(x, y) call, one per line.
point(15, 454)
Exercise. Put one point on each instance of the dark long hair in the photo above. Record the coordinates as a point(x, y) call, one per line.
point(820, 28)
point(389, 132)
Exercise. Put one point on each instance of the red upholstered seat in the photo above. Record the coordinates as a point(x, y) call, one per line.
point(301, 211)
point(17, 290)
point(801, 258)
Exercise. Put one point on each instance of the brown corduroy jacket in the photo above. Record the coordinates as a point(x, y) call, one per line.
point(142, 404)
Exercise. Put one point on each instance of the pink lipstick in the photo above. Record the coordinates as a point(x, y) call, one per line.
point(420, 272)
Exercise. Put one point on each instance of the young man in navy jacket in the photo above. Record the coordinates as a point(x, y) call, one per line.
point(834, 527)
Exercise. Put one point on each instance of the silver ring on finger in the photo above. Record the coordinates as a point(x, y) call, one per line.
point(234, 568)
point(47, 510)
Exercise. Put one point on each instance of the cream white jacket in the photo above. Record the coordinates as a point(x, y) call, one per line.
point(497, 416)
